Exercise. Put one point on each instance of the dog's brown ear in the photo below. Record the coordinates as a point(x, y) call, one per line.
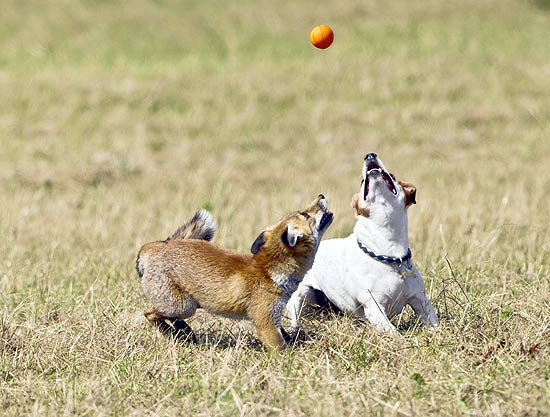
point(258, 243)
point(355, 205)
point(355, 202)
point(410, 193)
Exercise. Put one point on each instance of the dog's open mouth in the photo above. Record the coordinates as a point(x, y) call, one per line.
point(374, 169)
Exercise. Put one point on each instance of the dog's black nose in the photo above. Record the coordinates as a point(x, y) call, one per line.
point(321, 196)
point(370, 156)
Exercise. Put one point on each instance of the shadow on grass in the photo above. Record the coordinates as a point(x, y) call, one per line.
point(314, 316)
point(227, 337)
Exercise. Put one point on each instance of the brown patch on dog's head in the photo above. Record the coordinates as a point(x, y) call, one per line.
point(410, 192)
point(359, 211)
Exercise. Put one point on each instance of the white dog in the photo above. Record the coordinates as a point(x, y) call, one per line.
point(370, 272)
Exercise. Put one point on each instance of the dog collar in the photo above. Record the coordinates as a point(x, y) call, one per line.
point(387, 259)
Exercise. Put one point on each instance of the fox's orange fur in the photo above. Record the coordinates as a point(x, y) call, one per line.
point(186, 272)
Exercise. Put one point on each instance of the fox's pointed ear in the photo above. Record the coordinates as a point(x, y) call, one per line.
point(258, 243)
point(410, 193)
point(290, 236)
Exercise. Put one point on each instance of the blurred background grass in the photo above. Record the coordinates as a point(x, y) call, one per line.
point(119, 119)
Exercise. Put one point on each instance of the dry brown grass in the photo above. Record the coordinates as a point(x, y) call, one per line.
point(119, 120)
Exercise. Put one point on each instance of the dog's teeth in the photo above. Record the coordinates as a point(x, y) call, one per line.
point(323, 204)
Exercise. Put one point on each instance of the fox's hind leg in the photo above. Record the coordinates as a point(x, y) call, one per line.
point(172, 322)
point(171, 304)
point(178, 328)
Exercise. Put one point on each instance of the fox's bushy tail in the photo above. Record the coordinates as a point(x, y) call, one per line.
point(201, 226)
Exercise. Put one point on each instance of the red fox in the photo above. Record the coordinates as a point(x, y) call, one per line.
point(186, 271)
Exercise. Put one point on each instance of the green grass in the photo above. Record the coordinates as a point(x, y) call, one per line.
point(119, 119)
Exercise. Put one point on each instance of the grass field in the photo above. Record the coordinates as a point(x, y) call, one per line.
point(119, 119)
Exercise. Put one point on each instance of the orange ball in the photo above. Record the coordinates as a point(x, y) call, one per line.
point(321, 36)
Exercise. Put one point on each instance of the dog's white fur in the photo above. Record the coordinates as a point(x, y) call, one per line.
point(354, 281)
